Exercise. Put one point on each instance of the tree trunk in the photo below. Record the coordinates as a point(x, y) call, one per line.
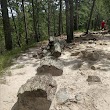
point(67, 21)
point(17, 35)
point(90, 16)
point(76, 15)
point(96, 23)
point(60, 19)
point(48, 17)
point(34, 22)
point(6, 25)
point(71, 19)
point(37, 19)
point(26, 32)
point(54, 21)
point(18, 22)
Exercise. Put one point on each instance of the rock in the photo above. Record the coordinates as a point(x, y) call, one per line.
point(77, 65)
point(75, 53)
point(90, 42)
point(44, 82)
point(92, 55)
point(46, 52)
point(84, 66)
point(95, 98)
point(62, 96)
point(51, 38)
point(35, 56)
point(82, 73)
point(93, 67)
point(63, 44)
point(53, 48)
point(57, 49)
point(93, 79)
point(105, 44)
point(36, 94)
point(78, 97)
point(50, 66)
point(49, 69)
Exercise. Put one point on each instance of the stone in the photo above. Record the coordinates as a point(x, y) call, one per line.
point(49, 69)
point(92, 55)
point(93, 79)
point(90, 42)
point(50, 66)
point(57, 49)
point(62, 96)
point(101, 43)
point(35, 56)
point(75, 54)
point(36, 94)
point(93, 67)
point(78, 97)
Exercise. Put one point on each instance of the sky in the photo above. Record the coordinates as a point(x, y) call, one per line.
point(9, 11)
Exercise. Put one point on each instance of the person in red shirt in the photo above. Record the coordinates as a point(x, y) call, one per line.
point(103, 25)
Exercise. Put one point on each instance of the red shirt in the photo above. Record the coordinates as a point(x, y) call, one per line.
point(103, 24)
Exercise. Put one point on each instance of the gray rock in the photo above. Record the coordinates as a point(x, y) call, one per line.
point(93, 79)
point(78, 97)
point(44, 82)
point(36, 94)
point(75, 53)
point(89, 54)
point(35, 56)
point(62, 96)
point(50, 66)
point(93, 67)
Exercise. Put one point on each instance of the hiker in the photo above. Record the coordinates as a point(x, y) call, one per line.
point(103, 24)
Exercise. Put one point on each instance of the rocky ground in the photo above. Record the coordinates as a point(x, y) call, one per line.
point(81, 78)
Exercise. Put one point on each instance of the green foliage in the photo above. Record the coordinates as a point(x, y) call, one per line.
point(101, 11)
point(6, 58)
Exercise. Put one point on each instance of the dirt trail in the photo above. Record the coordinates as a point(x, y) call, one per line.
point(86, 81)
point(23, 69)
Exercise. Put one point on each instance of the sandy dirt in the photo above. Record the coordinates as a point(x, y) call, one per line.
point(23, 69)
point(90, 94)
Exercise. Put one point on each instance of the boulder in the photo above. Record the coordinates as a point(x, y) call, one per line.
point(36, 94)
point(90, 54)
point(50, 66)
point(93, 79)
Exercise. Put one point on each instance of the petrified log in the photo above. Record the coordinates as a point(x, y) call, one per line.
point(36, 94)
point(50, 66)
point(57, 49)
point(53, 48)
